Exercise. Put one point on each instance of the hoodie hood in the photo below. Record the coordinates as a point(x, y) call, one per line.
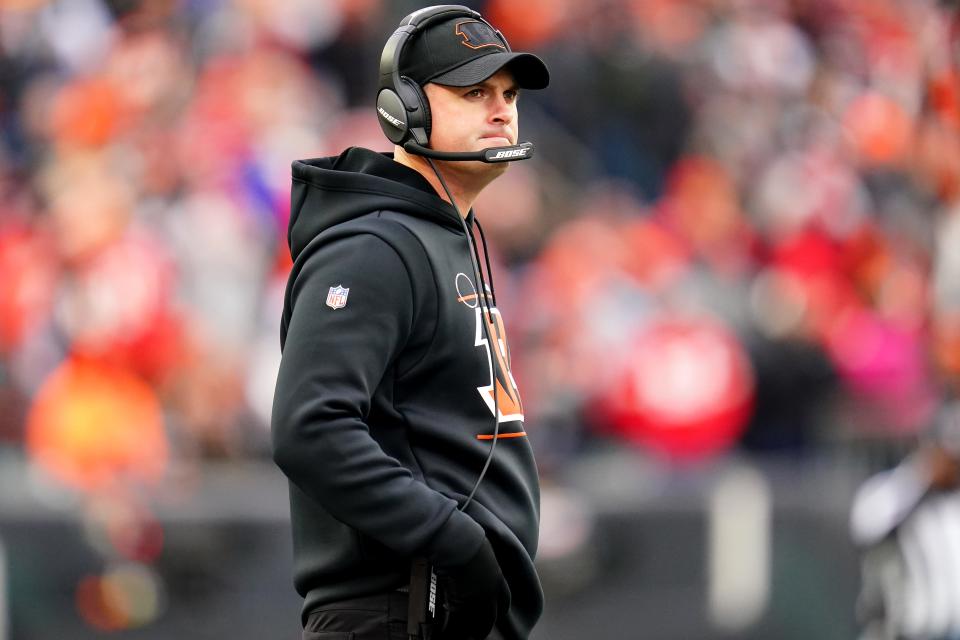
point(329, 191)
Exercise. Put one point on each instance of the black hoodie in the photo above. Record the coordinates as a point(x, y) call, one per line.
point(383, 413)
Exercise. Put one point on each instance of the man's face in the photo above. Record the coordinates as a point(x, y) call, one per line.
point(475, 117)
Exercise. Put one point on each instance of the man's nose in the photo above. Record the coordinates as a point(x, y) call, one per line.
point(502, 112)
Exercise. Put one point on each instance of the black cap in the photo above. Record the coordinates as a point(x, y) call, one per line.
point(463, 51)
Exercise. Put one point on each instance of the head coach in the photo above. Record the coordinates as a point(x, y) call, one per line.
point(414, 494)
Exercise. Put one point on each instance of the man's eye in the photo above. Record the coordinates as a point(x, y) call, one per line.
point(475, 93)
point(511, 95)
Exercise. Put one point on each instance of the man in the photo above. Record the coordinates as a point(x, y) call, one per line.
point(906, 523)
point(395, 384)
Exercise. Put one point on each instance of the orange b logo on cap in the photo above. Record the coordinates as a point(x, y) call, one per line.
point(477, 35)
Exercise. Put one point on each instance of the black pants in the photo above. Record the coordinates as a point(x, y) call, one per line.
point(381, 617)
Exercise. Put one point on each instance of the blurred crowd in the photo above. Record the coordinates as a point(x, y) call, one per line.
point(741, 230)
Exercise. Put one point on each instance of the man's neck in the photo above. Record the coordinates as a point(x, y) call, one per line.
point(464, 187)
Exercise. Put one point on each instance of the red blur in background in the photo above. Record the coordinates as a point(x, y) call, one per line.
point(686, 390)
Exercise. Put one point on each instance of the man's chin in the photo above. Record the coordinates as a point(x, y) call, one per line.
point(477, 167)
point(484, 167)
point(493, 143)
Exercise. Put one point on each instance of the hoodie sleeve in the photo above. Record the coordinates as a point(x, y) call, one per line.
point(333, 360)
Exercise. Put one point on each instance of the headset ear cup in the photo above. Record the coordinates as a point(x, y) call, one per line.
point(391, 114)
point(419, 119)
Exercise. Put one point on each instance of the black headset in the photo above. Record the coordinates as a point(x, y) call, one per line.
point(402, 107)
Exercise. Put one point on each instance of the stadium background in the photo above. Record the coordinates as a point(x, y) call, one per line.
point(731, 277)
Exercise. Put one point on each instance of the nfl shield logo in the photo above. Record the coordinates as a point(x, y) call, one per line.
point(337, 297)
